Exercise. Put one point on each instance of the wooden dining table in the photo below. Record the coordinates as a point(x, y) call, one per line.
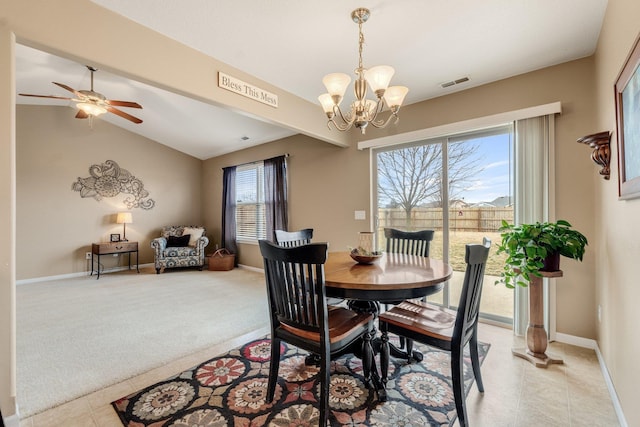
point(391, 278)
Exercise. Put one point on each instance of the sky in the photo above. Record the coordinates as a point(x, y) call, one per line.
point(493, 180)
point(490, 167)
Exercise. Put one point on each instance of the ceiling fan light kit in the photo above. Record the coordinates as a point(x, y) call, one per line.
point(91, 109)
point(362, 111)
point(92, 104)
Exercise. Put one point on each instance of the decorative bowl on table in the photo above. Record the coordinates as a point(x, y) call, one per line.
point(364, 257)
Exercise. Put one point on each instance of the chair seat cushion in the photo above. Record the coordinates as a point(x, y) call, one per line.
point(179, 251)
point(342, 323)
point(422, 318)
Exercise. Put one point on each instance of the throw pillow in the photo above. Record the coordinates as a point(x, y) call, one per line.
point(178, 242)
point(195, 233)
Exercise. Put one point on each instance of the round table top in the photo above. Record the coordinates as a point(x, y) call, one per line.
point(392, 277)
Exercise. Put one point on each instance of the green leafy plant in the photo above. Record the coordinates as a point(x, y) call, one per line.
point(527, 246)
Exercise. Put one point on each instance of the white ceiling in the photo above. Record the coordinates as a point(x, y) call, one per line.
point(293, 44)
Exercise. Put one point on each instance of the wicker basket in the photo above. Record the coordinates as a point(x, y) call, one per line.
point(222, 260)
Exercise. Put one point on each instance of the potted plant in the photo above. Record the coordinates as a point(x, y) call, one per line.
point(532, 248)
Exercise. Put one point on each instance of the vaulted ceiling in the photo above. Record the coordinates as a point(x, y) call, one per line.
point(293, 44)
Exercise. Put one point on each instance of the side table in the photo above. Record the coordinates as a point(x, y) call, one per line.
point(110, 248)
point(536, 334)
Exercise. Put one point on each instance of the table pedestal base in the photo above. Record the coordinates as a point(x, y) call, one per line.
point(539, 361)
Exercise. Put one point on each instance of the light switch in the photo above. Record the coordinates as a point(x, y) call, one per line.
point(361, 215)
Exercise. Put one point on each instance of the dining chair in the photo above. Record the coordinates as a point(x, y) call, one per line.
point(443, 328)
point(289, 239)
point(408, 242)
point(300, 315)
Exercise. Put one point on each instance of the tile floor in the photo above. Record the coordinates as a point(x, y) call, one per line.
point(516, 393)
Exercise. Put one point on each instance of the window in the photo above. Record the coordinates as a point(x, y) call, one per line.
point(250, 209)
point(477, 167)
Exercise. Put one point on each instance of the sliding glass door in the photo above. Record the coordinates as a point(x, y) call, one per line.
point(461, 186)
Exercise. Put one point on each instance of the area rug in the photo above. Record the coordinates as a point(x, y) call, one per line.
point(230, 390)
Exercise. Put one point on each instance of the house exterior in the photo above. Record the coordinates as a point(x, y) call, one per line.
point(48, 227)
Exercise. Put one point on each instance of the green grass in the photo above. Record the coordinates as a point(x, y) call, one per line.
point(457, 242)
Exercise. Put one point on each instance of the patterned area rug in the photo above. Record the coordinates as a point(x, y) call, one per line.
point(230, 390)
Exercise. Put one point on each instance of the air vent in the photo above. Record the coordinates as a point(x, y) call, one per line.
point(454, 82)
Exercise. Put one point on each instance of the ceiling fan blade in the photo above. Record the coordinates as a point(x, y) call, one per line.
point(46, 96)
point(81, 115)
point(123, 103)
point(123, 114)
point(75, 92)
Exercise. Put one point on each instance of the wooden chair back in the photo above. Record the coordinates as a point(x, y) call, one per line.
point(289, 239)
point(408, 242)
point(295, 285)
point(469, 305)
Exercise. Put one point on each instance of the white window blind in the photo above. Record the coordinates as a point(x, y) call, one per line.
point(250, 210)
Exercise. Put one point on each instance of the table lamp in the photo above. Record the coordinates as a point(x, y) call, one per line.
point(124, 218)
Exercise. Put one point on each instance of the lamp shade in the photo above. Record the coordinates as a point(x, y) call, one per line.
point(124, 218)
point(336, 83)
point(394, 96)
point(327, 102)
point(379, 77)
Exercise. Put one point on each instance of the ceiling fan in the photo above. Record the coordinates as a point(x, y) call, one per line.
point(91, 104)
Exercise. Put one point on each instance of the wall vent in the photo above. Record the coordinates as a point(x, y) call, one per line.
point(454, 82)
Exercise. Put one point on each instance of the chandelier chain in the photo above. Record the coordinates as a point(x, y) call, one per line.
point(360, 44)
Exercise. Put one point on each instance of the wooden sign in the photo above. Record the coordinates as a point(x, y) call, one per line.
point(232, 84)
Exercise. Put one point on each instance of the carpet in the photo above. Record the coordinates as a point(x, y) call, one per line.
point(79, 335)
point(230, 390)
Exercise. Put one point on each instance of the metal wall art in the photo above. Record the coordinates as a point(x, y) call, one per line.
point(108, 180)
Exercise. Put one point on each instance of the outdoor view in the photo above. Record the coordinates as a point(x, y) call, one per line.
point(478, 196)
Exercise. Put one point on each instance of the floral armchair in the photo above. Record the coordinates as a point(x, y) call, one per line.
point(175, 249)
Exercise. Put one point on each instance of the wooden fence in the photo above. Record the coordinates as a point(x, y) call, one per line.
point(460, 219)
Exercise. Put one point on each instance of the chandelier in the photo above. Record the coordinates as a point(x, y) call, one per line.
point(362, 111)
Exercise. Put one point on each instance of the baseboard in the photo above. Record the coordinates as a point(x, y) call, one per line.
point(611, 388)
point(577, 341)
point(12, 420)
point(72, 275)
point(250, 268)
point(593, 344)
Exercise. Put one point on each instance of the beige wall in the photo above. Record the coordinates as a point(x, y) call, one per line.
point(616, 221)
point(326, 185)
point(55, 226)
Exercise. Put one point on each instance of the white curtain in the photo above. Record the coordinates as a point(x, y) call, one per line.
point(534, 200)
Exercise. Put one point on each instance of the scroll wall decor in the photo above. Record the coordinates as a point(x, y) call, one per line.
point(108, 180)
